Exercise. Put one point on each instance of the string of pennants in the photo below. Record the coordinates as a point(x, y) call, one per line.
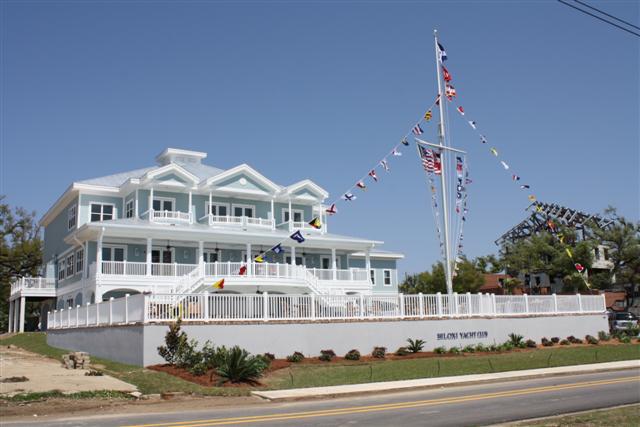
point(370, 177)
point(451, 95)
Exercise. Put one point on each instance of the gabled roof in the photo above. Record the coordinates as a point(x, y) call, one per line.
point(309, 185)
point(171, 167)
point(116, 180)
point(238, 170)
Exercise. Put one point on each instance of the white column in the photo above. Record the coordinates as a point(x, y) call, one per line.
point(273, 215)
point(290, 217)
point(293, 255)
point(99, 254)
point(334, 264)
point(150, 210)
point(367, 261)
point(16, 310)
point(210, 202)
point(137, 210)
point(23, 301)
point(149, 248)
point(11, 304)
point(249, 260)
point(190, 207)
point(201, 257)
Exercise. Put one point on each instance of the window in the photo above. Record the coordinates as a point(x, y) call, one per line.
point(164, 256)
point(101, 212)
point(299, 260)
point(113, 253)
point(79, 261)
point(596, 253)
point(244, 210)
point(211, 256)
point(218, 209)
point(71, 217)
point(61, 270)
point(298, 215)
point(372, 275)
point(387, 277)
point(606, 253)
point(129, 209)
point(163, 204)
point(70, 265)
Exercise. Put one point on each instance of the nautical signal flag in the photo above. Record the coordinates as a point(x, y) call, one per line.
point(242, 271)
point(450, 92)
point(442, 54)
point(569, 252)
point(348, 197)
point(579, 267)
point(504, 165)
point(297, 236)
point(437, 163)
point(384, 164)
point(532, 198)
point(494, 151)
point(331, 210)
point(515, 177)
point(483, 139)
point(427, 116)
point(525, 187)
point(396, 153)
point(437, 101)
point(316, 223)
point(277, 249)
point(259, 259)
point(361, 185)
point(417, 130)
point(460, 110)
point(561, 237)
point(445, 74)
point(405, 142)
point(472, 124)
point(373, 175)
point(219, 284)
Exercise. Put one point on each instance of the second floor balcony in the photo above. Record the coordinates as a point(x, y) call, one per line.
point(237, 221)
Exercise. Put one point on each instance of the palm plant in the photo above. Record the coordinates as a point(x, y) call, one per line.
point(415, 345)
point(238, 365)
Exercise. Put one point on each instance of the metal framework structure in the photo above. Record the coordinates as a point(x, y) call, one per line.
point(562, 215)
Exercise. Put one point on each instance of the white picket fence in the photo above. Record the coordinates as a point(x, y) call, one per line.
point(205, 307)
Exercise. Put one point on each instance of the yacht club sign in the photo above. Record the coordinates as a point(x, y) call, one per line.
point(462, 335)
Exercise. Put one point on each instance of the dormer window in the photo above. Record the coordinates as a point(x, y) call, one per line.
point(102, 212)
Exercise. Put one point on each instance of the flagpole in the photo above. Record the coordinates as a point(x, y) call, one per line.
point(443, 181)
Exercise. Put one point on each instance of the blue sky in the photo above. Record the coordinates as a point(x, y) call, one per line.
point(323, 90)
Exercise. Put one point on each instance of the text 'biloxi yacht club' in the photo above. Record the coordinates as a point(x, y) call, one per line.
point(181, 225)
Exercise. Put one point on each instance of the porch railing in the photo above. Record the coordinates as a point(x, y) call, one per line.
point(239, 221)
point(24, 283)
point(205, 307)
point(170, 216)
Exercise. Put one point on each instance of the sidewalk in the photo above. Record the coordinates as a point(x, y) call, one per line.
point(300, 393)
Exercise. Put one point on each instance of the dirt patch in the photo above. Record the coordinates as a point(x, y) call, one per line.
point(209, 379)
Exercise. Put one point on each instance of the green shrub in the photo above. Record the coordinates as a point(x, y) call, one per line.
point(516, 340)
point(352, 355)
point(603, 336)
point(565, 342)
point(547, 343)
point(555, 340)
point(454, 350)
point(188, 356)
point(439, 350)
point(531, 344)
point(507, 346)
point(270, 356)
point(591, 339)
point(493, 348)
point(574, 340)
point(625, 339)
point(327, 355)
point(481, 348)
point(174, 340)
point(379, 352)
point(415, 345)
point(469, 349)
point(295, 357)
point(402, 351)
point(238, 365)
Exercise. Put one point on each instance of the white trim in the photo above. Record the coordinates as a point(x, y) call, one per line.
point(378, 255)
point(243, 206)
point(307, 183)
point(243, 168)
point(171, 167)
point(114, 214)
point(180, 152)
point(384, 272)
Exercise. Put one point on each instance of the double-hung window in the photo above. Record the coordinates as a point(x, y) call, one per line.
point(244, 210)
point(129, 208)
point(70, 264)
point(62, 269)
point(72, 217)
point(102, 212)
point(372, 275)
point(218, 209)
point(387, 277)
point(79, 261)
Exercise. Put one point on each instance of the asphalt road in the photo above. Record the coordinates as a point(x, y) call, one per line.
point(482, 404)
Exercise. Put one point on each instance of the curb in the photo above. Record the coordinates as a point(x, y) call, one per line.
point(387, 386)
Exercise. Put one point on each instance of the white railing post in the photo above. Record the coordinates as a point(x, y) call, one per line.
point(175, 269)
point(555, 303)
point(111, 310)
point(206, 305)
point(526, 303)
point(124, 267)
point(77, 315)
point(313, 306)
point(421, 304)
point(362, 311)
point(265, 306)
point(97, 313)
point(579, 302)
point(455, 304)
point(439, 304)
point(604, 303)
point(401, 305)
point(469, 311)
point(145, 309)
point(126, 308)
point(69, 317)
point(494, 306)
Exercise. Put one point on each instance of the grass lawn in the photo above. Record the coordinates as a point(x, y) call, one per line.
point(147, 381)
point(626, 416)
point(349, 373)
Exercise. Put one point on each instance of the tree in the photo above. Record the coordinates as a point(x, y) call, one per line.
point(489, 264)
point(467, 279)
point(622, 240)
point(20, 251)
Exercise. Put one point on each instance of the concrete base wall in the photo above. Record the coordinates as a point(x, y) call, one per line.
point(138, 344)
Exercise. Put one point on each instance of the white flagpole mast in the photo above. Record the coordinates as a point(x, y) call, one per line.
point(445, 208)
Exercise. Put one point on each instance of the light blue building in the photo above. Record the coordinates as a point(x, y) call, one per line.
point(181, 225)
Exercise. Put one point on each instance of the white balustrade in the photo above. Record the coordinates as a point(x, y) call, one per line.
point(240, 221)
point(171, 216)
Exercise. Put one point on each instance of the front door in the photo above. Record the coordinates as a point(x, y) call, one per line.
point(162, 205)
point(164, 256)
point(211, 256)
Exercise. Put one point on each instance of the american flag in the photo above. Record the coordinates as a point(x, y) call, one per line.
point(417, 130)
point(427, 159)
point(450, 91)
